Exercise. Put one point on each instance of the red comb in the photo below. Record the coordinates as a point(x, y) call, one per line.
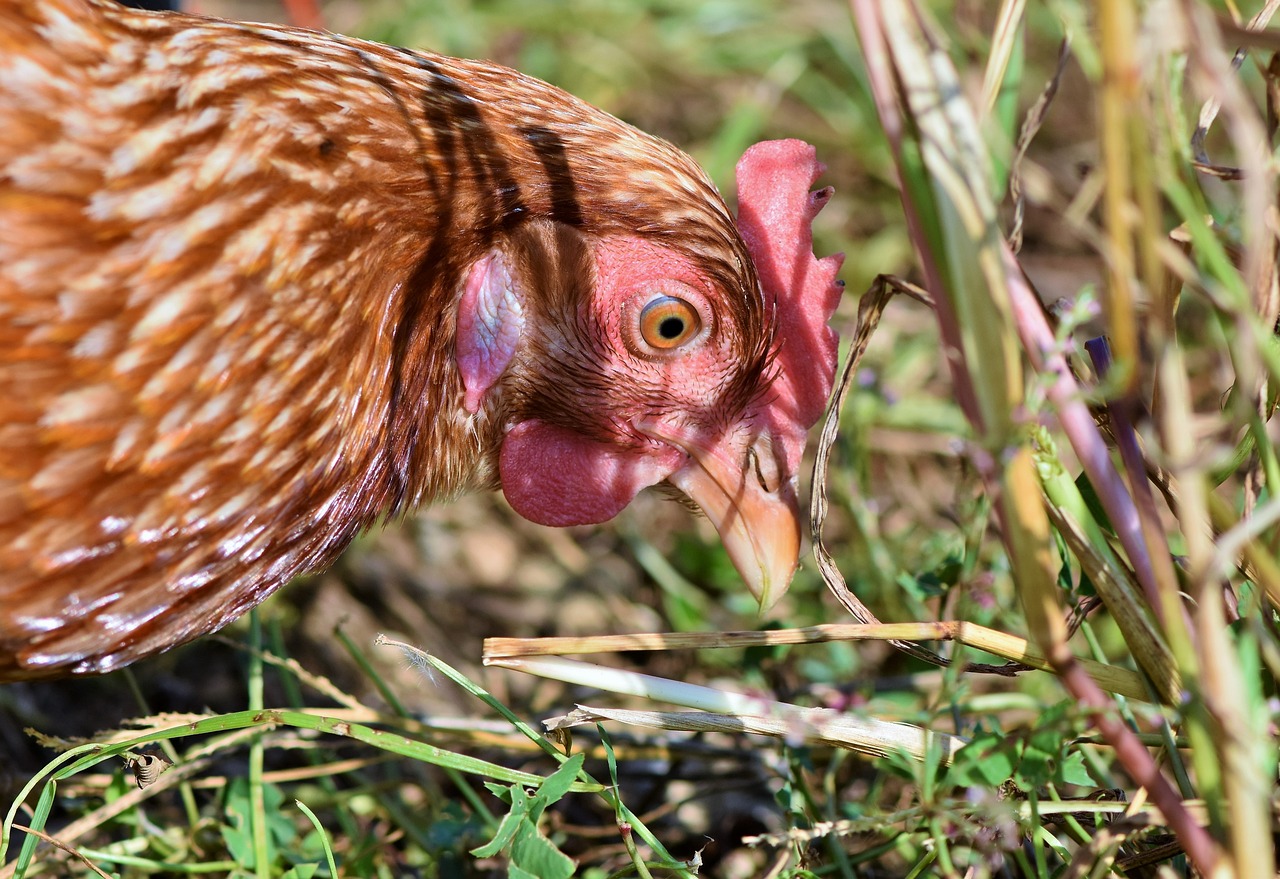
point(775, 213)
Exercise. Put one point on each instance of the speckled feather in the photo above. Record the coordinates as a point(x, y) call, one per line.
point(229, 263)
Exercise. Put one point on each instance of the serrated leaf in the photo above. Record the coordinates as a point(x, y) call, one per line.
point(556, 786)
point(538, 855)
point(1035, 768)
point(510, 825)
point(501, 791)
point(988, 759)
point(1073, 770)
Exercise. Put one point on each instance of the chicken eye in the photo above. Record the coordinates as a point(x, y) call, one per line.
point(668, 322)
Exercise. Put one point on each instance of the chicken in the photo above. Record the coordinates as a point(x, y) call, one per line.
point(262, 287)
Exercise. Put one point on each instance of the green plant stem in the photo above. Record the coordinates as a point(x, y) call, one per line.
point(257, 789)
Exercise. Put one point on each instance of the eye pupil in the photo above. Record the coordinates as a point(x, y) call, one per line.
point(671, 327)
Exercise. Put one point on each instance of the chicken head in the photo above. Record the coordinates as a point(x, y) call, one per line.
point(620, 364)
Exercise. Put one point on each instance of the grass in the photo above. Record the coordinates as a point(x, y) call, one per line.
point(1086, 490)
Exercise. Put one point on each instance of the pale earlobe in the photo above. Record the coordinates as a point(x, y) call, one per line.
point(490, 322)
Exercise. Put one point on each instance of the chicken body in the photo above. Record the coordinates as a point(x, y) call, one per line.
point(261, 287)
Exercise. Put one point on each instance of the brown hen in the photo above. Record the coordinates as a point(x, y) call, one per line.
point(261, 287)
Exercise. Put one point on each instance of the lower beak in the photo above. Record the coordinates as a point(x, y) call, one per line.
point(758, 524)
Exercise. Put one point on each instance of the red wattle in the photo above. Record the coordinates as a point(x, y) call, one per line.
point(554, 476)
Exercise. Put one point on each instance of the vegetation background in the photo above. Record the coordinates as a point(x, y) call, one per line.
point(945, 504)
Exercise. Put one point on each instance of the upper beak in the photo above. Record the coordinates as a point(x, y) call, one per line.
point(753, 508)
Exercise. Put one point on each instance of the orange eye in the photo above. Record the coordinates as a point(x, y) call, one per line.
point(668, 322)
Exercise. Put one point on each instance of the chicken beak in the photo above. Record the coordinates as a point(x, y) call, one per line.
point(754, 510)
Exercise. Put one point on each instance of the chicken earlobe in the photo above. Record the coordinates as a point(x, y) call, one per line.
point(490, 323)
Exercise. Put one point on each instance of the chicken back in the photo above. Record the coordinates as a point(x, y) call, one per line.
point(261, 287)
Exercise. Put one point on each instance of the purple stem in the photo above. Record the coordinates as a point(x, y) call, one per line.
point(1077, 422)
point(1121, 413)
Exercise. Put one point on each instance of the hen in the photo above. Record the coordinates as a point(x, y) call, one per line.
point(262, 287)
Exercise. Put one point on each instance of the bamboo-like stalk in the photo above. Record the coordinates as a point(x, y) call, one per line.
point(1118, 106)
point(1011, 647)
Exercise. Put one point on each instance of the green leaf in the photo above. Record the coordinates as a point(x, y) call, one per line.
point(556, 786)
point(1072, 770)
point(235, 831)
point(1035, 768)
point(538, 855)
point(501, 791)
point(532, 854)
point(510, 825)
point(987, 760)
